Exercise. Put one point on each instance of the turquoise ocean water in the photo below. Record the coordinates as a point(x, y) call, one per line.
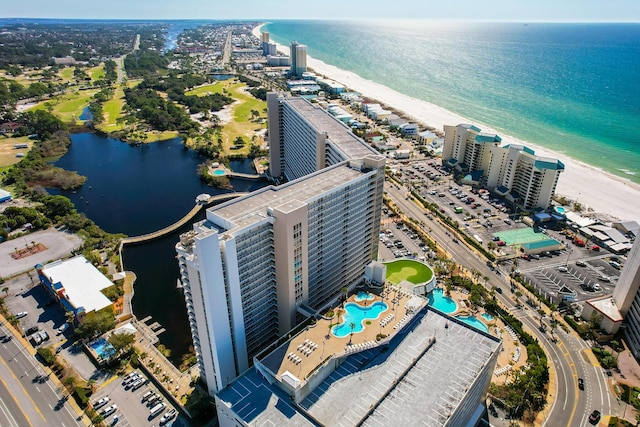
point(571, 88)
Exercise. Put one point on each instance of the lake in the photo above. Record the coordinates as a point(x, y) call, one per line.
point(137, 190)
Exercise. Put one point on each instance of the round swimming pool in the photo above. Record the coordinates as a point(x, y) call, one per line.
point(559, 209)
point(440, 302)
point(357, 314)
point(473, 321)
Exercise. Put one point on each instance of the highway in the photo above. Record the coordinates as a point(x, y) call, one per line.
point(568, 356)
point(28, 397)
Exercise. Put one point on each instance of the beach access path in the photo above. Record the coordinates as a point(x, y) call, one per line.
point(600, 191)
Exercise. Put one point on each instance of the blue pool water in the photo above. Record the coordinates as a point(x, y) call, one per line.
point(438, 301)
point(487, 316)
point(357, 314)
point(559, 209)
point(102, 348)
point(473, 321)
point(218, 172)
point(363, 296)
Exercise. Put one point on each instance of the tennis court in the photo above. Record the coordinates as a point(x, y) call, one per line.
point(523, 235)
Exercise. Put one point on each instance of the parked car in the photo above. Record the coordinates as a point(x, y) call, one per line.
point(21, 314)
point(108, 410)
point(167, 416)
point(581, 263)
point(32, 330)
point(100, 403)
point(563, 269)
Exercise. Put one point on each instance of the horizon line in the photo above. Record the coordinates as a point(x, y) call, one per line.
point(515, 21)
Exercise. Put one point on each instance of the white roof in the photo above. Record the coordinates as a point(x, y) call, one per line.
point(580, 220)
point(82, 282)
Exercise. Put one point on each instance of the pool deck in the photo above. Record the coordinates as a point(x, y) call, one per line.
point(507, 356)
point(313, 346)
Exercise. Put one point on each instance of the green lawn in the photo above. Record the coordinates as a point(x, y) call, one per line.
point(66, 73)
point(96, 73)
point(409, 270)
point(69, 106)
point(206, 90)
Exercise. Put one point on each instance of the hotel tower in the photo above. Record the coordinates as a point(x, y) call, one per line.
point(259, 265)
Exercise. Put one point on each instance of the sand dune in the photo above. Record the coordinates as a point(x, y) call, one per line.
point(601, 192)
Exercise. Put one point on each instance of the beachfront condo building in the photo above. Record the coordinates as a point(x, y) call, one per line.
point(298, 54)
point(259, 265)
point(264, 42)
point(511, 171)
point(466, 148)
point(527, 180)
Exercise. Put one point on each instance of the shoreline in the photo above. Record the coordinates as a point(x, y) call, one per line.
point(602, 193)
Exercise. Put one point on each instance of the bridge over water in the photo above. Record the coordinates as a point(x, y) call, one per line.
point(173, 227)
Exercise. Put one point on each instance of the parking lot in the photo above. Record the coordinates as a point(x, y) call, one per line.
point(587, 274)
point(398, 241)
point(133, 405)
point(25, 295)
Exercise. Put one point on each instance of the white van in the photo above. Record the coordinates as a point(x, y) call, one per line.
point(157, 409)
point(147, 395)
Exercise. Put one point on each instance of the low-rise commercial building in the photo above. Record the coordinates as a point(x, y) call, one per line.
point(77, 285)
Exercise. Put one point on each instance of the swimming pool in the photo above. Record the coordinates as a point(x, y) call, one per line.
point(560, 209)
point(218, 172)
point(487, 316)
point(440, 302)
point(473, 321)
point(357, 314)
point(103, 349)
point(363, 296)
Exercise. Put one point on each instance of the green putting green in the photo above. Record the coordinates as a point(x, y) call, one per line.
point(409, 270)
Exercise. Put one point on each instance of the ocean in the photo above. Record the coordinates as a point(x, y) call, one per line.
point(570, 88)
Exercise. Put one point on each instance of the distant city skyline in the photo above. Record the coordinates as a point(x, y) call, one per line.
point(488, 10)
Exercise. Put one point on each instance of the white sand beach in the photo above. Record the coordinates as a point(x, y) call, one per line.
point(600, 191)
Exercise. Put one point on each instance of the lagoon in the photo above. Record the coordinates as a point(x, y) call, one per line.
point(140, 189)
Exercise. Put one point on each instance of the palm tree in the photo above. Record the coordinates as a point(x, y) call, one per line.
point(352, 326)
point(5, 290)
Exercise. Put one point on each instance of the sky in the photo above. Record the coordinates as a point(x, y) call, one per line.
point(481, 10)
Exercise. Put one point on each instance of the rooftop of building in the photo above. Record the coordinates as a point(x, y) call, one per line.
point(607, 306)
point(341, 135)
point(418, 374)
point(82, 282)
point(252, 208)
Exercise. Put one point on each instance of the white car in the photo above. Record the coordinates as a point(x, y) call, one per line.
point(109, 410)
point(100, 403)
point(63, 328)
point(167, 416)
point(21, 314)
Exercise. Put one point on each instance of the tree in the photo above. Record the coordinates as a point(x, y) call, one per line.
point(96, 324)
point(5, 290)
point(47, 356)
point(122, 342)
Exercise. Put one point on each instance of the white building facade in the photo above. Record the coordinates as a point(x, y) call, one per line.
point(512, 171)
point(248, 268)
point(298, 56)
point(627, 298)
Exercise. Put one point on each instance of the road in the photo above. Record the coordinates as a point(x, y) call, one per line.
point(28, 397)
point(568, 355)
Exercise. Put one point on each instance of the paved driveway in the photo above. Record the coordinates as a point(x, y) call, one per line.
point(58, 245)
